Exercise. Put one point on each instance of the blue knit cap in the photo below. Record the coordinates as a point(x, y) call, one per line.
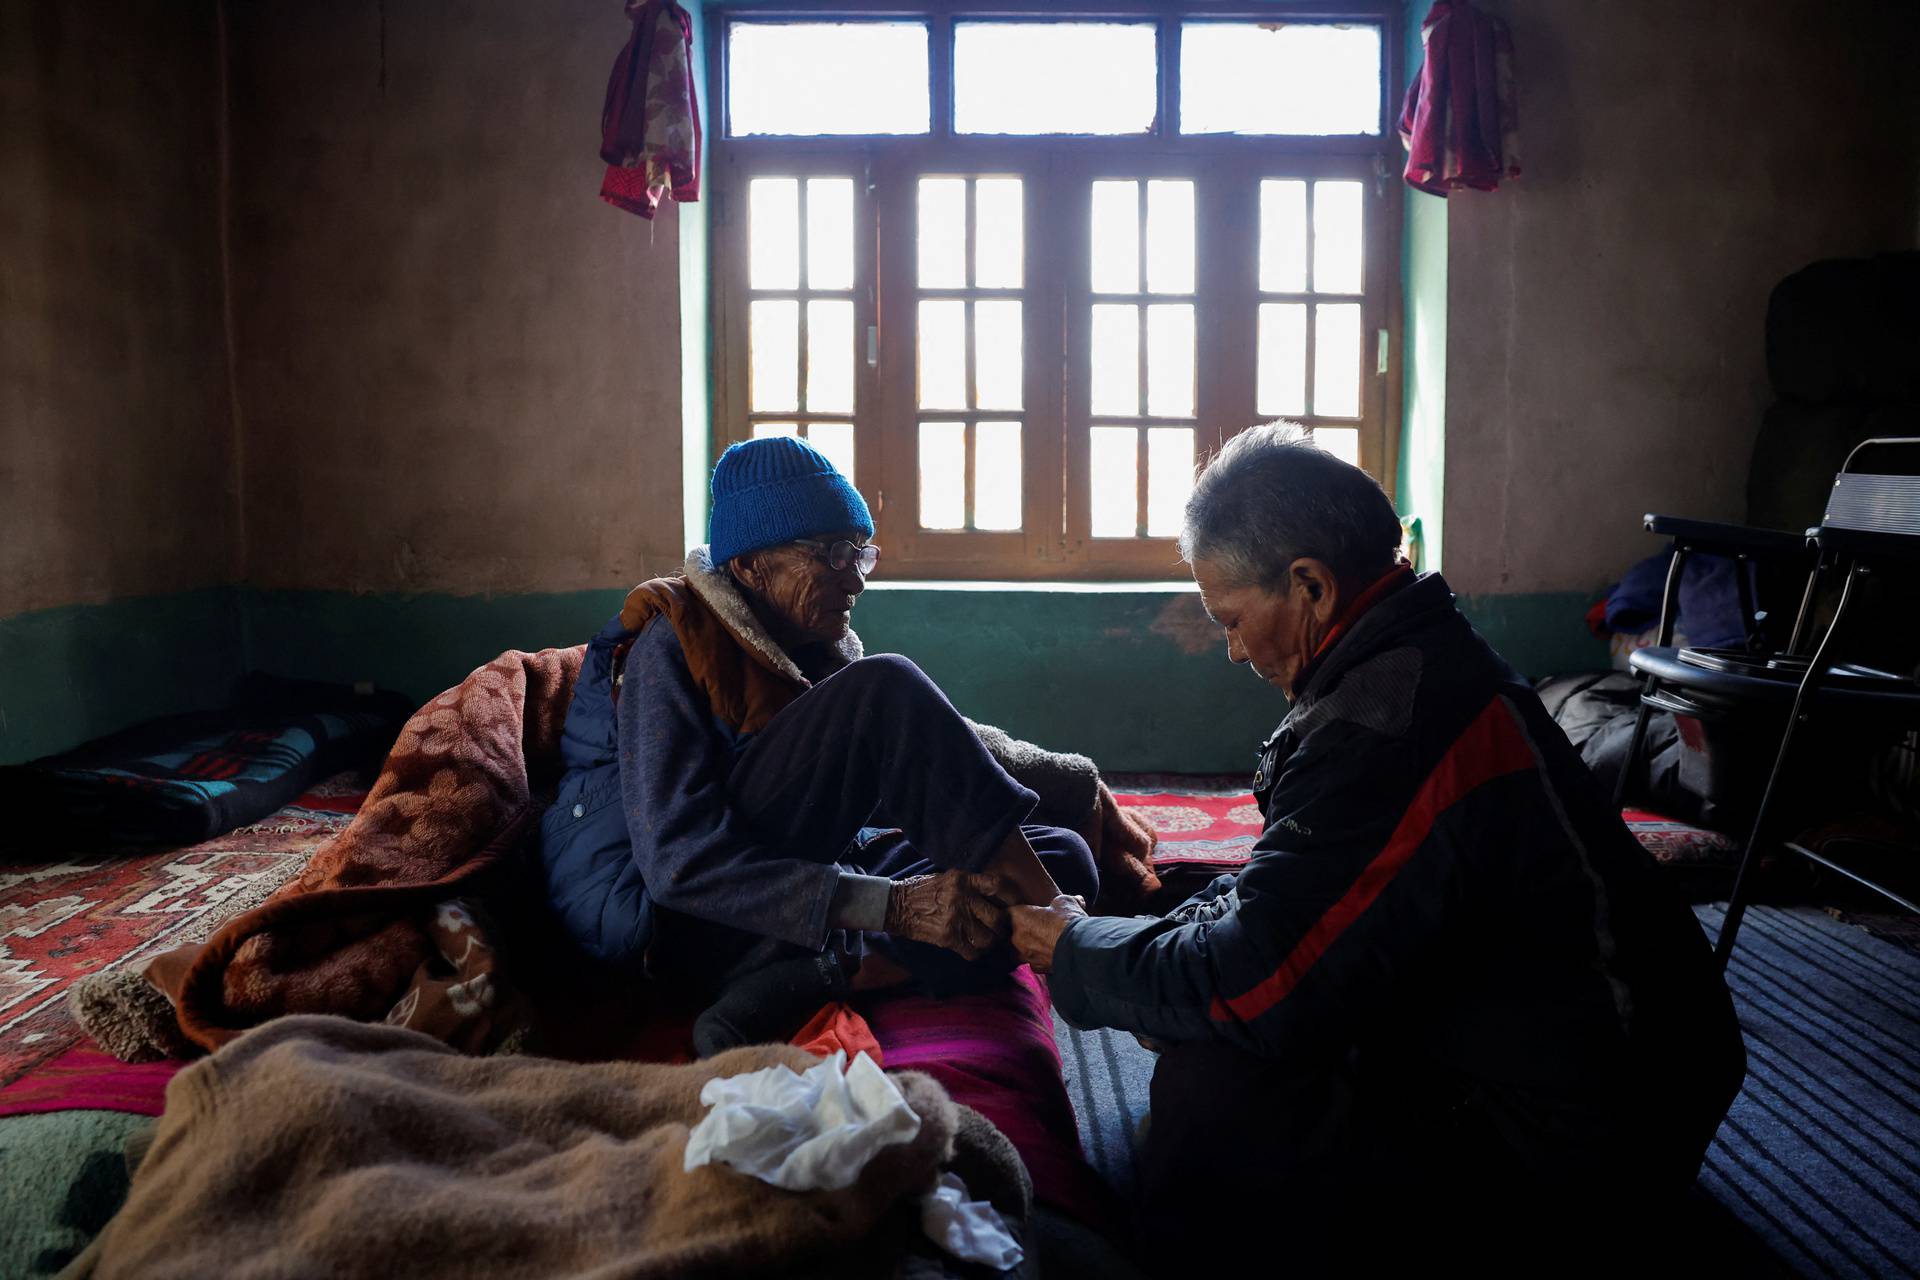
point(775, 489)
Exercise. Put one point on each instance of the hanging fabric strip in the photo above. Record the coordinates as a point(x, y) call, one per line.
point(1459, 122)
point(650, 125)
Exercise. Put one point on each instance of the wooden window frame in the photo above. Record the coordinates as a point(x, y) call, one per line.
point(1057, 172)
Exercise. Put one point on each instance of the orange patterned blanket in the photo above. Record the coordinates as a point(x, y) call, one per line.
point(382, 924)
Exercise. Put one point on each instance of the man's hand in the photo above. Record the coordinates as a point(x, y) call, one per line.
point(1037, 930)
point(962, 911)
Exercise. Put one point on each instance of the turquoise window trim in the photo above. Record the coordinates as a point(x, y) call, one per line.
point(696, 318)
point(1419, 485)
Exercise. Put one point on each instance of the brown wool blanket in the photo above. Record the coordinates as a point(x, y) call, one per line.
point(381, 923)
point(321, 1146)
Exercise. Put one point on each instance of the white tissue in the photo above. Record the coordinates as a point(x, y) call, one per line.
point(804, 1132)
point(970, 1230)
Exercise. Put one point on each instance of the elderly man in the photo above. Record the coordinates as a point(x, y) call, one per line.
point(732, 759)
point(1449, 993)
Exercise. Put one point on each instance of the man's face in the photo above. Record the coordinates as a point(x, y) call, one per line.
point(1273, 633)
point(809, 600)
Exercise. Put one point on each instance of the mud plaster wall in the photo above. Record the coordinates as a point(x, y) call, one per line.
point(459, 370)
point(1605, 330)
point(116, 475)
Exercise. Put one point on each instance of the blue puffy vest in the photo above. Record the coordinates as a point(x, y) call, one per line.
point(592, 882)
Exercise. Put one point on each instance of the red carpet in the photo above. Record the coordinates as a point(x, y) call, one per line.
point(64, 918)
point(1209, 828)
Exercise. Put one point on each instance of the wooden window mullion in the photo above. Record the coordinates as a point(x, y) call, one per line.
point(804, 279)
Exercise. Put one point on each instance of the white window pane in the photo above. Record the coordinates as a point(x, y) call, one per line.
point(829, 233)
point(1281, 389)
point(835, 439)
point(1169, 479)
point(943, 233)
point(1170, 360)
point(829, 356)
point(943, 354)
point(1300, 78)
point(1336, 237)
point(1116, 237)
point(1341, 442)
point(805, 78)
point(943, 475)
point(1170, 237)
point(996, 354)
point(1116, 359)
point(996, 475)
point(773, 346)
point(997, 240)
point(761, 430)
point(1336, 359)
point(1054, 77)
point(1115, 459)
point(1283, 235)
point(773, 233)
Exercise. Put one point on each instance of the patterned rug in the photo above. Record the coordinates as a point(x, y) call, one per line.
point(1208, 822)
point(1200, 824)
point(62, 919)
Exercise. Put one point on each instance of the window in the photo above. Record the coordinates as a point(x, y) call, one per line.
point(814, 78)
point(1034, 78)
point(1018, 277)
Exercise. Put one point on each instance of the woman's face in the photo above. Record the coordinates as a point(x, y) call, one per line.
point(800, 597)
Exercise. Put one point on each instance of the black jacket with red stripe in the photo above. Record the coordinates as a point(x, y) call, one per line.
point(1439, 876)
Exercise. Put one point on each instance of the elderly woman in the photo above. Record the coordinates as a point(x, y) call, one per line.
point(1449, 1001)
point(733, 759)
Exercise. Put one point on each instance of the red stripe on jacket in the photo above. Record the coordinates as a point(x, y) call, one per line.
point(1491, 747)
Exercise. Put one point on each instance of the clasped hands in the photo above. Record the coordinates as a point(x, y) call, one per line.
point(967, 912)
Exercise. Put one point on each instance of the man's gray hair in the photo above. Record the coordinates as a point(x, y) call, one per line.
point(1271, 496)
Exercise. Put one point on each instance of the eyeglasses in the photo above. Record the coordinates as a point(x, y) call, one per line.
point(843, 554)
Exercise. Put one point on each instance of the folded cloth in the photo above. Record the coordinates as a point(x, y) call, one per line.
point(320, 1146)
point(803, 1131)
point(838, 1027)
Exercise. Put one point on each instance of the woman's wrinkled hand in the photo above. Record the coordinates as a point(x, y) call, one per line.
point(1037, 930)
point(1124, 830)
point(1122, 845)
point(963, 911)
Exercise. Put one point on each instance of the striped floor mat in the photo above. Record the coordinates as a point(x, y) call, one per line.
point(1819, 1157)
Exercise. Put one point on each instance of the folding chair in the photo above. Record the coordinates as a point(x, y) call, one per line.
point(1872, 520)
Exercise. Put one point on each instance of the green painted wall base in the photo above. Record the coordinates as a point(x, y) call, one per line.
point(1134, 677)
point(1543, 633)
point(80, 671)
